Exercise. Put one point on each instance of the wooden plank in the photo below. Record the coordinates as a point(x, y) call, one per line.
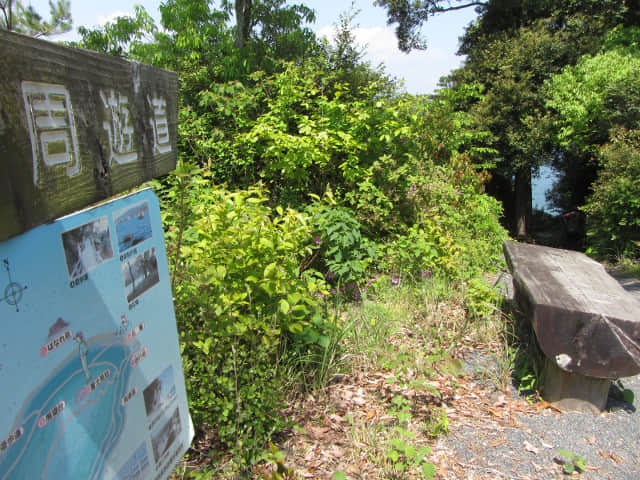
point(77, 127)
point(584, 320)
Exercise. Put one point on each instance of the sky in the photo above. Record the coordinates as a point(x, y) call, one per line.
point(420, 70)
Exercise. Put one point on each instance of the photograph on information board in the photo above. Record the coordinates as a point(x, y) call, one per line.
point(132, 226)
point(87, 247)
point(140, 274)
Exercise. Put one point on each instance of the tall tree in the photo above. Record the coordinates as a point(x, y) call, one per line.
point(16, 17)
point(512, 49)
point(120, 37)
point(586, 102)
point(410, 15)
point(268, 22)
point(243, 22)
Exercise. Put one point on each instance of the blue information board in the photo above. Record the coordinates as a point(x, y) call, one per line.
point(90, 370)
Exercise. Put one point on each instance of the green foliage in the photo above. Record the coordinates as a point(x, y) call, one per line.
point(620, 393)
point(599, 93)
point(395, 183)
point(456, 229)
point(26, 20)
point(120, 38)
point(313, 132)
point(276, 457)
point(244, 310)
point(343, 253)
point(571, 462)
point(585, 101)
point(402, 452)
point(512, 49)
point(613, 209)
point(481, 298)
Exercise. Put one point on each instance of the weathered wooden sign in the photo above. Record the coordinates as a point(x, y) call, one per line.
point(77, 127)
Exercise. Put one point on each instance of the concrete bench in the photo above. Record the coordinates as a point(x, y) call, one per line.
point(586, 324)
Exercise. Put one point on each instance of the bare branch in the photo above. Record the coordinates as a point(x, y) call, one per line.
point(438, 9)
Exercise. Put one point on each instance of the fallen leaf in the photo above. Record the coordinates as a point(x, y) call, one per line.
point(500, 402)
point(610, 456)
point(530, 448)
point(336, 451)
point(316, 433)
point(336, 418)
point(544, 404)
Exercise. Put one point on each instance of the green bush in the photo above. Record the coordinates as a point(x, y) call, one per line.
point(344, 254)
point(455, 228)
point(245, 312)
point(613, 209)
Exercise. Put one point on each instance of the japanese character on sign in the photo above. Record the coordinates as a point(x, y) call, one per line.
point(161, 139)
point(52, 128)
point(119, 129)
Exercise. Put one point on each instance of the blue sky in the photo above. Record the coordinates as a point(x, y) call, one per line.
point(420, 70)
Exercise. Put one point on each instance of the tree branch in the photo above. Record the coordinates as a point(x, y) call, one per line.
point(7, 12)
point(437, 9)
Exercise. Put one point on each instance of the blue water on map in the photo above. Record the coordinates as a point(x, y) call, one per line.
point(79, 440)
point(133, 231)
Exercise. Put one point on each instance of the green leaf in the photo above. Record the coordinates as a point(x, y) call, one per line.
point(284, 306)
point(296, 328)
point(428, 470)
point(433, 390)
point(221, 272)
point(565, 453)
point(423, 452)
point(294, 297)
point(393, 455)
point(271, 270)
point(339, 476)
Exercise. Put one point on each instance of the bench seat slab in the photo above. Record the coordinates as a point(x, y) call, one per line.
point(585, 322)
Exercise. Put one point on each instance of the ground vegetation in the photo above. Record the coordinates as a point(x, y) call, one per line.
point(311, 190)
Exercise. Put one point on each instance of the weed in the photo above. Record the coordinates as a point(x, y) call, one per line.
point(620, 393)
point(437, 422)
point(571, 462)
point(524, 354)
point(403, 454)
point(276, 457)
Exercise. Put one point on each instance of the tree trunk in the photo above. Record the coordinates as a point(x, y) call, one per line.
point(523, 201)
point(7, 11)
point(243, 22)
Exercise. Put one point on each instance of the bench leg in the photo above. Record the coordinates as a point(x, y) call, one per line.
point(572, 392)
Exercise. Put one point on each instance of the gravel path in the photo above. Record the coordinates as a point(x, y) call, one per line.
point(609, 443)
point(527, 446)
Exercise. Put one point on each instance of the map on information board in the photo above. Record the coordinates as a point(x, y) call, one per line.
point(90, 369)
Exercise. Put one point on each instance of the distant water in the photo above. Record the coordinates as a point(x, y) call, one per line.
point(540, 185)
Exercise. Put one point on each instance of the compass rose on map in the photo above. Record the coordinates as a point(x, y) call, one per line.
point(13, 291)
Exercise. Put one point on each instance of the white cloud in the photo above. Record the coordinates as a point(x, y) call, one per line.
point(421, 70)
point(113, 16)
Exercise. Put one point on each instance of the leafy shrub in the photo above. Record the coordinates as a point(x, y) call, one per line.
point(455, 226)
point(613, 209)
point(243, 308)
point(344, 253)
